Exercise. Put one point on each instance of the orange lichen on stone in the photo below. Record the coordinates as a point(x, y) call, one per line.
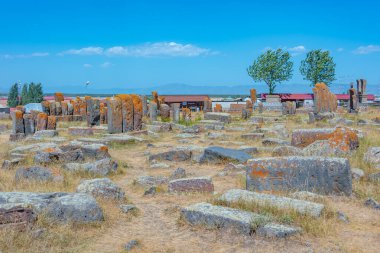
point(259, 173)
point(127, 111)
point(104, 148)
point(19, 114)
point(344, 138)
point(186, 113)
point(58, 96)
point(51, 123)
point(324, 100)
point(249, 105)
point(87, 97)
point(253, 95)
point(137, 112)
point(218, 108)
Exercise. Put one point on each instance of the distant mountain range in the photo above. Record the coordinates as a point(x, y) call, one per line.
point(185, 89)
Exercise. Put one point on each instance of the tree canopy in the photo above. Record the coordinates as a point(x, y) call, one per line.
point(271, 67)
point(31, 93)
point(13, 99)
point(317, 67)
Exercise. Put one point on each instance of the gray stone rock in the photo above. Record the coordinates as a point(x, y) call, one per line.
point(195, 184)
point(274, 230)
point(252, 136)
point(214, 136)
point(151, 180)
point(131, 245)
point(303, 137)
point(177, 155)
point(186, 136)
point(123, 139)
point(45, 134)
point(372, 203)
point(33, 173)
point(178, 173)
point(374, 177)
point(342, 217)
point(81, 131)
point(217, 154)
point(127, 208)
point(195, 129)
point(249, 150)
point(58, 206)
point(159, 166)
point(357, 174)
point(222, 217)
point(300, 206)
point(319, 174)
point(101, 187)
point(275, 141)
point(220, 116)
point(373, 156)
point(152, 190)
point(101, 167)
point(287, 151)
point(98, 151)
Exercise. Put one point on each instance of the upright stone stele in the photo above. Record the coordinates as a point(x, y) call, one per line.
point(152, 111)
point(165, 112)
point(253, 95)
point(93, 112)
point(127, 111)
point(176, 112)
point(29, 124)
point(137, 112)
point(42, 119)
point(52, 108)
point(58, 96)
point(17, 122)
point(114, 115)
point(144, 101)
point(51, 123)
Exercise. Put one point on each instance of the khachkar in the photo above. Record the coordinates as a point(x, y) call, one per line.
point(186, 114)
point(353, 101)
point(247, 111)
point(253, 95)
point(325, 102)
point(361, 88)
point(289, 108)
point(93, 112)
point(24, 124)
point(176, 111)
point(165, 112)
point(207, 105)
point(218, 108)
point(124, 113)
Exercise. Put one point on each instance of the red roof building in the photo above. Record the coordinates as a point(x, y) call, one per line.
point(301, 97)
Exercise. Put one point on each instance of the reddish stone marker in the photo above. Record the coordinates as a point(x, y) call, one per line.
point(114, 115)
point(17, 122)
point(42, 119)
point(137, 112)
point(51, 123)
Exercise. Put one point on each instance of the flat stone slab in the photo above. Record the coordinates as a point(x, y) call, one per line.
point(45, 134)
point(177, 155)
point(304, 137)
point(222, 117)
point(220, 155)
point(252, 136)
point(274, 230)
point(59, 206)
point(222, 217)
point(122, 139)
point(81, 131)
point(315, 174)
point(195, 184)
point(301, 206)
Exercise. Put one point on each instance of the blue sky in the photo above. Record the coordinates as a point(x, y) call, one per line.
point(130, 44)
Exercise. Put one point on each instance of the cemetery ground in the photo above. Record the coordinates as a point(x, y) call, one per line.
point(156, 223)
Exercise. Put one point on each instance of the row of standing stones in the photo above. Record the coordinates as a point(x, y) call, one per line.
point(323, 175)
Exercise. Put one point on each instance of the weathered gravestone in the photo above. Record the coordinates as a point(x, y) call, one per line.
point(29, 124)
point(176, 110)
point(218, 108)
point(361, 87)
point(288, 108)
point(93, 112)
point(144, 101)
point(165, 112)
point(42, 119)
point(253, 95)
point(137, 112)
point(353, 102)
point(114, 115)
point(324, 101)
point(153, 111)
point(296, 173)
point(127, 111)
point(17, 122)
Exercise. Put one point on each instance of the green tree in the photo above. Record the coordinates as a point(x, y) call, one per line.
point(273, 66)
point(13, 99)
point(39, 94)
point(318, 67)
point(24, 95)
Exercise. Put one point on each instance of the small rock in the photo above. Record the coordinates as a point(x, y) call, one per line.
point(33, 173)
point(196, 184)
point(357, 174)
point(151, 191)
point(38, 233)
point(127, 208)
point(159, 166)
point(131, 245)
point(372, 203)
point(374, 177)
point(342, 217)
point(277, 230)
point(101, 187)
point(178, 173)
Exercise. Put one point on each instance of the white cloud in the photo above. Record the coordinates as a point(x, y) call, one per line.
point(159, 49)
point(86, 65)
point(297, 50)
point(14, 56)
point(83, 51)
point(105, 64)
point(367, 49)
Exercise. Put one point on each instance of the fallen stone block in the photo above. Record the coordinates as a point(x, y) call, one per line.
point(34, 173)
point(101, 167)
point(122, 139)
point(45, 134)
point(17, 217)
point(80, 131)
point(220, 116)
point(373, 156)
point(220, 155)
point(97, 151)
point(315, 174)
point(101, 187)
point(287, 151)
point(247, 197)
point(57, 206)
point(195, 184)
point(275, 141)
point(147, 181)
point(177, 155)
point(252, 136)
point(274, 230)
point(222, 217)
